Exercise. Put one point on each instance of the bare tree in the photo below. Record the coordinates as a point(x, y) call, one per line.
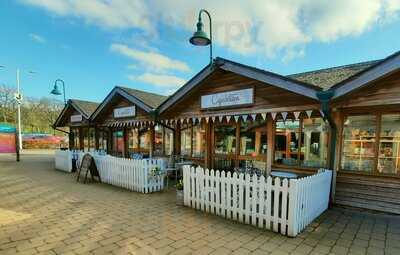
point(8, 104)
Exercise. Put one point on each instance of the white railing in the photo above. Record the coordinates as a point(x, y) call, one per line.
point(63, 160)
point(283, 206)
point(132, 174)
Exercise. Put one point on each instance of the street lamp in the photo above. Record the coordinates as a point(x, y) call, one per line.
point(56, 90)
point(199, 37)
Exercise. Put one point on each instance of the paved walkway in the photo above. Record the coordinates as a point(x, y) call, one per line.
point(44, 211)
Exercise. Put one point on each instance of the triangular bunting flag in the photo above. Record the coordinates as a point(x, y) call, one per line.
point(264, 116)
point(273, 115)
point(236, 118)
point(296, 115)
point(253, 116)
point(309, 112)
point(284, 115)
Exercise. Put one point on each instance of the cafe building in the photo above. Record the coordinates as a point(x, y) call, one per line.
point(125, 124)
point(76, 116)
point(235, 117)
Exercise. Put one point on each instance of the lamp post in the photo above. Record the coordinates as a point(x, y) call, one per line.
point(18, 97)
point(56, 90)
point(199, 37)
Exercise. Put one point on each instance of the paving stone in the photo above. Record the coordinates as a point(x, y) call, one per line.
point(66, 217)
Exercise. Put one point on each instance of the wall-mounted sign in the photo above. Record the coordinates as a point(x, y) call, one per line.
point(123, 112)
point(76, 118)
point(230, 98)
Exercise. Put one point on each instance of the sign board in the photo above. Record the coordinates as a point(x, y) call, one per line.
point(226, 99)
point(76, 118)
point(123, 112)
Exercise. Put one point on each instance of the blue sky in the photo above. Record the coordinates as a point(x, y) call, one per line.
point(96, 45)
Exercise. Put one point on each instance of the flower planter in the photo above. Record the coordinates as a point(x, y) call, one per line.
point(179, 197)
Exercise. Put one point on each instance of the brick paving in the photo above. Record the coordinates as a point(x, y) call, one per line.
point(44, 211)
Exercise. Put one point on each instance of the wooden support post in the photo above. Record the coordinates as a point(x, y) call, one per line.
point(125, 136)
point(96, 138)
point(81, 139)
point(270, 144)
point(152, 140)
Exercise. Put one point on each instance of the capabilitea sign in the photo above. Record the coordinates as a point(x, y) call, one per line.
point(123, 112)
point(76, 118)
point(226, 99)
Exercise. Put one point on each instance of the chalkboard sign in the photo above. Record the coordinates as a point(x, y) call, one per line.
point(88, 166)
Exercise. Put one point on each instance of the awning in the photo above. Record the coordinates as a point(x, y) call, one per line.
point(130, 123)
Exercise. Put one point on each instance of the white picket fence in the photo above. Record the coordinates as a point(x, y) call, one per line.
point(130, 174)
point(280, 205)
point(63, 160)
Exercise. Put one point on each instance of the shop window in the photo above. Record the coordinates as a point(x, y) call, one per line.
point(103, 137)
point(76, 141)
point(85, 139)
point(287, 137)
point(199, 141)
point(253, 138)
point(168, 141)
point(118, 143)
point(301, 142)
point(158, 140)
point(314, 141)
point(145, 141)
point(186, 141)
point(359, 141)
point(133, 140)
point(225, 139)
point(389, 143)
point(92, 138)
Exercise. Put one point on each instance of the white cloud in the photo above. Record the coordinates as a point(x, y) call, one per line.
point(120, 14)
point(167, 82)
point(150, 60)
point(37, 38)
point(269, 28)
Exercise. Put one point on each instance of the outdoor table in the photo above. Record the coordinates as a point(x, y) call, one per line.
point(282, 174)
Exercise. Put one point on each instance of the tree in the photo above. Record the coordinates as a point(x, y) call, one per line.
point(8, 105)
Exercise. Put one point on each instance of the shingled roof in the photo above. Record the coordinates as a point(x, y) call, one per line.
point(151, 99)
point(328, 77)
point(86, 107)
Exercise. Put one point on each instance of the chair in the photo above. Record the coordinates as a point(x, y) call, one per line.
point(171, 168)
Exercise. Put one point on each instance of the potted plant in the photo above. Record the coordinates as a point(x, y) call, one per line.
point(179, 193)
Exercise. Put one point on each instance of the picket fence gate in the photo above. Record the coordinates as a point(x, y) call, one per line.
point(281, 205)
point(63, 160)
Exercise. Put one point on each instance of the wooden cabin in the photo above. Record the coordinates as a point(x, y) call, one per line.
point(231, 116)
point(75, 115)
point(344, 118)
point(125, 123)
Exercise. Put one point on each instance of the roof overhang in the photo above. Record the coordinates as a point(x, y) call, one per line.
point(121, 92)
point(243, 70)
point(380, 70)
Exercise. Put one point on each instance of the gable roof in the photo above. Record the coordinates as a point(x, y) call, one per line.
point(86, 108)
point(270, 78)
point(145, 100)
point(151, 99)
point(368, 75)
point(328, 77)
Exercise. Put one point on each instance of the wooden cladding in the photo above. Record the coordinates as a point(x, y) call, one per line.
point(265, 97)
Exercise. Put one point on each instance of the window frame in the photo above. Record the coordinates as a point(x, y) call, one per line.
point(378, 114)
